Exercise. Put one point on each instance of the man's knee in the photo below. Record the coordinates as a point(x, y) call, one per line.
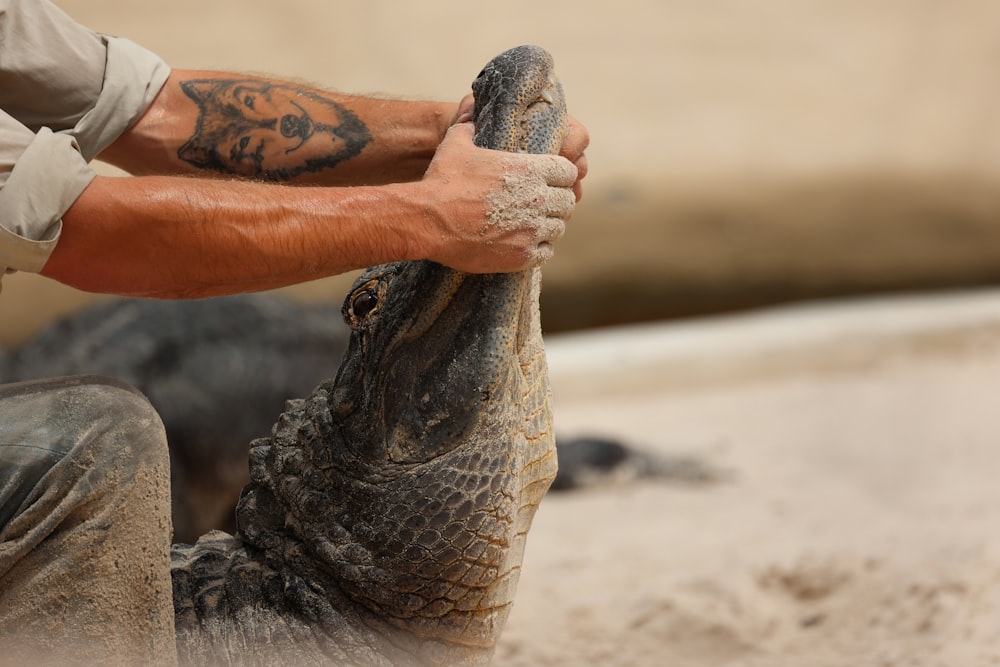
point(96, 518)
point(52, 413)
point(69, 428)
point(118, 412)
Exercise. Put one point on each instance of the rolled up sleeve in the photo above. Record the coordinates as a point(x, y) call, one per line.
point(132, 78)
point(66, 93)
point(45, 173)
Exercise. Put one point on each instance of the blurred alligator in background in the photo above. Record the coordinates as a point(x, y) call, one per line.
point(216, 370)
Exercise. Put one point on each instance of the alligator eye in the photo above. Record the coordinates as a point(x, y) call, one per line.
point(363, 303)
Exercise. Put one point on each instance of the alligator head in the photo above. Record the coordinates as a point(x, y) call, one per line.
point(406, 485)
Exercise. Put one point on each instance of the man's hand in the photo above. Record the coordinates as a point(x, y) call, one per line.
point(576, 142)
point(573, 148)
point(496, 212)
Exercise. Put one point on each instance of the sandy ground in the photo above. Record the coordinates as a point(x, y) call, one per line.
point(855, 525)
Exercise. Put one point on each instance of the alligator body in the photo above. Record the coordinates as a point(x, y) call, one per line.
point(386, 514)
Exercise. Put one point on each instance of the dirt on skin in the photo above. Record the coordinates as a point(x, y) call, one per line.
point(528, 194)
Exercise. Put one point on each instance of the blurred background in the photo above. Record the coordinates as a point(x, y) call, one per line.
point(744, 153)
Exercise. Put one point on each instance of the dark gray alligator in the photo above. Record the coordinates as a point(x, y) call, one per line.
point(387, 512)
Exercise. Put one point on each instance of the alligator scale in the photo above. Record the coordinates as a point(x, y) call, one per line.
point(386, 516)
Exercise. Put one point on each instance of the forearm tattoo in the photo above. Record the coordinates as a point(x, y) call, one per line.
point(268, 131)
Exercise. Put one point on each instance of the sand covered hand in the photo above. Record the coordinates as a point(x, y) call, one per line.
point(496, 215)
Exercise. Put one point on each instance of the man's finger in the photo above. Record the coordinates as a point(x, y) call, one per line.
point(556, 170)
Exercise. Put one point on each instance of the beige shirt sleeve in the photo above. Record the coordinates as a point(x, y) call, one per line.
point(66, 93)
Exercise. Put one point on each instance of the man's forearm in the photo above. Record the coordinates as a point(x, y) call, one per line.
point(173, 236)
point(176, 237)
point(212, 123)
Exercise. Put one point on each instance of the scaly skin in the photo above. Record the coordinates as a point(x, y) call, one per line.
point(386, 515)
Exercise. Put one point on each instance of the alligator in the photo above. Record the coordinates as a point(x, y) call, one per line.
point(386, 516)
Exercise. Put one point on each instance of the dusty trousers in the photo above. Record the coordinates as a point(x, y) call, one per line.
point(84, 526)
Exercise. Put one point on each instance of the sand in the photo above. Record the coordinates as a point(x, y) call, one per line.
point(856, 525)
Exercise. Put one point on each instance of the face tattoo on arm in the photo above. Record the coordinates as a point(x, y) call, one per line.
point(268, 131)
